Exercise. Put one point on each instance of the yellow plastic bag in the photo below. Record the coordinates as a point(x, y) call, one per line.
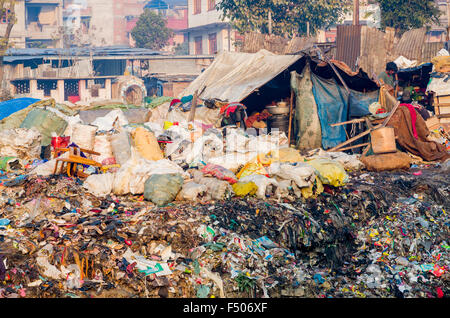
point(330, 172)
point(243, 189)
point(308, 192)
point(146, 144)
point(441, 63)
point(167, 124)
point(290, 155)
point(251, 168)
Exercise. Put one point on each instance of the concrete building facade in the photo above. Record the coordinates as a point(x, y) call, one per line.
point(207, 33)
point(37, 25)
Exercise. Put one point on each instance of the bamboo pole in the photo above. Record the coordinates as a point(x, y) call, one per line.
point(290, 116)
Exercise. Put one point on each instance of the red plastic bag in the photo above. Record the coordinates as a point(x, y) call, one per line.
point(220, 173)
point(60, 142)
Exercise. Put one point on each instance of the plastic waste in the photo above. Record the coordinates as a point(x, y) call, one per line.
point(163, 189)
point(192, 191)
point(46, 122)
point(84, 136)
point(99, 185)
point(219, 172)
point(121, 147)
point(251, 169)
point(21, 143)
point(266, 186)
point(146, 144)
point(102, 145)
point(330, 172)
point(302, 174)
point(106, 123)
point(243, 189)
point(217, 189)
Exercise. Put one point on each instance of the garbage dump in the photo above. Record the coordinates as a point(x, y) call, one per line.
point(233, 190)
point(136, 215)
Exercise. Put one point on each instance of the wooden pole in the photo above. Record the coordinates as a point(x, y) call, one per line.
point(355, 12)
point(448, 20)
point(270, 22)
point(290, 116)
point(193, 107)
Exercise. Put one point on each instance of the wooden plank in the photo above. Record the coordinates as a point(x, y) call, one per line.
point(352, 139)
point(355, 146)
point(354, 121)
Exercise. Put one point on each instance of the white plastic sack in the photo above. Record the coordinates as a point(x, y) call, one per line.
point(217, 189)
point(349, 162)
point(22, 143)
point(121, 147)
point(233, 161)
point(47, 168)
point(132, 175)
point(192, 191)
point(106, 123)
point(99, 185)
point(204, 148)
point(263, 183)
point(302, 174)
point(84, 136)
point(71, 122)
point(236, 140)
point(103, 146)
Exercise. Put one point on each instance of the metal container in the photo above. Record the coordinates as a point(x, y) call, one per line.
point(278, 122)
point(383, 140)
point(277, 110)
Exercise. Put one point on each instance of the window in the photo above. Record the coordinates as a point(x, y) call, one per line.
point(5, 17)
point(47, 87)
point(100, 81)
point(198, 45)
point(212, 39)
point(22, 87)
point(211, 5)
point(197, 6)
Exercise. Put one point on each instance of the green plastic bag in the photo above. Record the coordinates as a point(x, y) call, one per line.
point(162, 189)
point(45, 122)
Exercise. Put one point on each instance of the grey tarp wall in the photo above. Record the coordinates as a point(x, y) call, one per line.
point(307, 129)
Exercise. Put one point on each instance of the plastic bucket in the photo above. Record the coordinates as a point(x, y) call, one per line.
point(383, 140)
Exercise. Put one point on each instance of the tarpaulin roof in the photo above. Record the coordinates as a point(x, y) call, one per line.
point(14, 105)
point(15, 54)
point(234, 76)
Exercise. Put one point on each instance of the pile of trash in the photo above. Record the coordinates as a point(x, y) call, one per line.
point(152, 207)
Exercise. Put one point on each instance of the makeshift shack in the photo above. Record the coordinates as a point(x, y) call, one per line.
point(261, 79)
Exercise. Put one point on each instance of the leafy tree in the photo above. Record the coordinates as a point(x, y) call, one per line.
point(151, 31)
point(288, 17)
point(8, 14)
point(408, 14)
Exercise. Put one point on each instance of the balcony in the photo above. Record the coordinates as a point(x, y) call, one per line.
point(41, 32)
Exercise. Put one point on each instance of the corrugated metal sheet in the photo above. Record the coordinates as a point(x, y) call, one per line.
point(254, 42)
point(411, 44)
point(299, 43)
point(430, 50)
point(375, 48)
point(348, 44)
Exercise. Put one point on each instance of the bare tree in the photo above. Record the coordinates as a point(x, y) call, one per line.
point(8, 14)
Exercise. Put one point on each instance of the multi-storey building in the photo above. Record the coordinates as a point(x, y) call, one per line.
point(207, 33)
point(37, 25)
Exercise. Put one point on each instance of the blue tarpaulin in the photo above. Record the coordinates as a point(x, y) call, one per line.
point(332, 106)
point(14, 105)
